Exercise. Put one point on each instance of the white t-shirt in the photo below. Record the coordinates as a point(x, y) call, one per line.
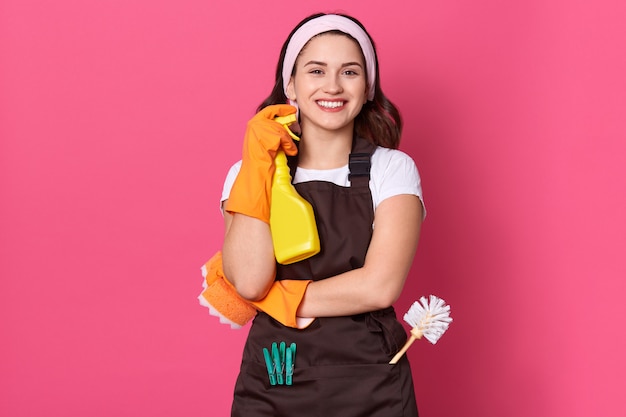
point(393, 172)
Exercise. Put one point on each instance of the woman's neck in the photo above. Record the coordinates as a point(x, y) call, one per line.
point(321, 149)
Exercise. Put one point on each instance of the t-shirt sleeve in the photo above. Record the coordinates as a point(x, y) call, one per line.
point(228, 183)
point(399, 175)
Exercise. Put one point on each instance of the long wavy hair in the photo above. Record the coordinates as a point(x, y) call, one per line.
point(379, 121)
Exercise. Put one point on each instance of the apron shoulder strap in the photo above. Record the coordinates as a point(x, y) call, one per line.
point(360, 162)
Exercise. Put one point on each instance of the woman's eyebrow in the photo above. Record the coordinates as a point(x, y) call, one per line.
point(349, 64)
point(320, 63)
point(324, 64)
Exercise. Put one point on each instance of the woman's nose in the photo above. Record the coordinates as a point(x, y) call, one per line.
point(333, 85)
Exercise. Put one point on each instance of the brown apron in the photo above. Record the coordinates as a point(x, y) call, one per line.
point(341, 363)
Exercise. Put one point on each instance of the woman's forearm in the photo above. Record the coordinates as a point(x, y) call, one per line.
point(380, 281)
point(248, 255)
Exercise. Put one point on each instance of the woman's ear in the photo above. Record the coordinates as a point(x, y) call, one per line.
point(291, 90)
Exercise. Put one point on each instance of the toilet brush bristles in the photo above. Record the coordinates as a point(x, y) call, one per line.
point(431, 318)
point(428, 318)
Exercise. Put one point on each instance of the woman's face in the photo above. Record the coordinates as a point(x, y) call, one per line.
point(329, 84)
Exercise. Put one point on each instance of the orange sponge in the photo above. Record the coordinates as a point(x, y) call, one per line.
point(221, 297)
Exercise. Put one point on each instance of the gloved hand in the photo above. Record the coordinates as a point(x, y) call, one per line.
point(221, 298)
point(252, 189)
point(281, 302)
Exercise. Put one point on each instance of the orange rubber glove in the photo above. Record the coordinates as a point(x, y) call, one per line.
point(281, 302)
point(252, 189)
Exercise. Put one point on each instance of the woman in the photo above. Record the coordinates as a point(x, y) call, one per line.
point(368, 205)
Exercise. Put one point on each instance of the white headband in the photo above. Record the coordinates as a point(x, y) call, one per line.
point(323, 24)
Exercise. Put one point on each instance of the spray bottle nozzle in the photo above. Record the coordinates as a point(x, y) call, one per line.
point(286, 121)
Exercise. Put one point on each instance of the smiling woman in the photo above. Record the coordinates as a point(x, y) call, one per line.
point(336, 306)
point(329, 86)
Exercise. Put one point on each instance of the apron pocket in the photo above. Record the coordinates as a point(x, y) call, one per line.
point(362, 390)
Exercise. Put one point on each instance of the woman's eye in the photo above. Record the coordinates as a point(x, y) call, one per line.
point(316, 71)
point(351, 72)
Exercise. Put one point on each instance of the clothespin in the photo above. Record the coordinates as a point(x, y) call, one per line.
point(290, 360)
point(279, 361)
point(271, 370)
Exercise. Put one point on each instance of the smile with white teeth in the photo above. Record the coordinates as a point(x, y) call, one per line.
point(330, 104)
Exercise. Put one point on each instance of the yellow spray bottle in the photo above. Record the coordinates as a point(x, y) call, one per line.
point(292, 221)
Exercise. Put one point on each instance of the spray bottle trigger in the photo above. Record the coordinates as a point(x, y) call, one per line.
point(286, 121)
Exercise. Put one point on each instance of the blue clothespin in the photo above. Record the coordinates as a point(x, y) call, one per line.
point(271, 370)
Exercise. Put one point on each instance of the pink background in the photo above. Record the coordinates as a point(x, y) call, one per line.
point(119, 119)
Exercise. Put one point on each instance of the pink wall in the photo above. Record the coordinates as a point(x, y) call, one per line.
point(118, 120)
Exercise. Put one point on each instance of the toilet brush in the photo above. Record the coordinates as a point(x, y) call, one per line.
point(429, 318)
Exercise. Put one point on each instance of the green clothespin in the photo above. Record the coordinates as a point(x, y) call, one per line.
point(290, 360)
point(278, 354)
point(271, 370)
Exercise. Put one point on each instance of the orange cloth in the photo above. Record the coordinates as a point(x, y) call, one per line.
point(252, 190)
point(281, 302)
